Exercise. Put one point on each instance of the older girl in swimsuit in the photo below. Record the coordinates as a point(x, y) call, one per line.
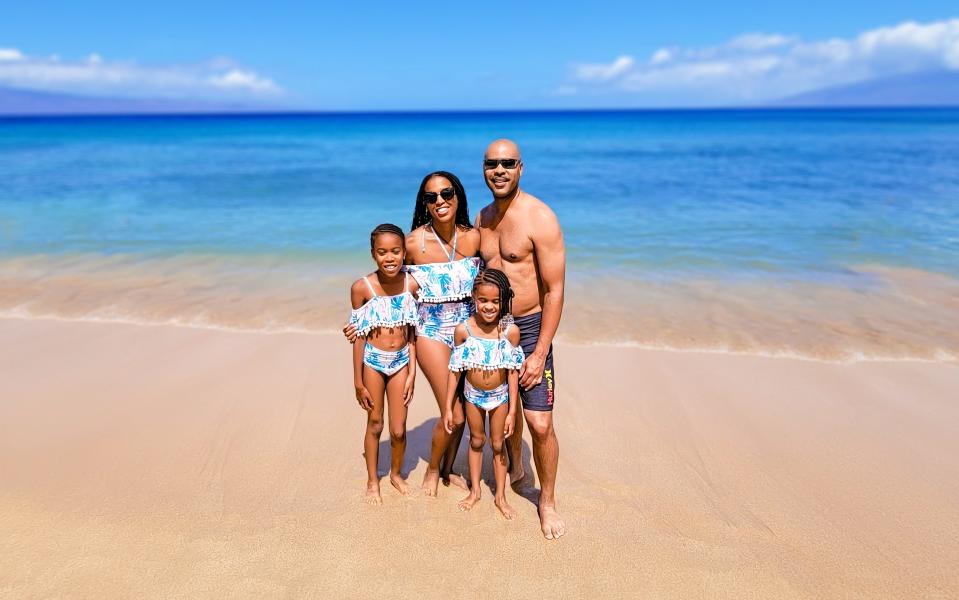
point(384, 355)
point(441, 254)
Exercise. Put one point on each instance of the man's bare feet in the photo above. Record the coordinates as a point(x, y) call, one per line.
point(471, 499)
point(373, 497)
point(431, 481)
point(400, 484)
point(517, 474)
point(508, 513)
point(552, 524)
point(457, 480)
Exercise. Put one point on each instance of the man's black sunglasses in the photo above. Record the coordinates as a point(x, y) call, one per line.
point(508, 163)
point(446, 193)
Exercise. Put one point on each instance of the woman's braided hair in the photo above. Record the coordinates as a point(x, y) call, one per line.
point(385, 228)
point(501, 281)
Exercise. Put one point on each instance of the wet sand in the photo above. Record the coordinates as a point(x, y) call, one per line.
point(156, 461)
point(870, 312)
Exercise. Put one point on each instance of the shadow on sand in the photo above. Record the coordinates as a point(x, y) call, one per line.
point(418, 443)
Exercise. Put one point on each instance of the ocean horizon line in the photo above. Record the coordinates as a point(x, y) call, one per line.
point(301, 113)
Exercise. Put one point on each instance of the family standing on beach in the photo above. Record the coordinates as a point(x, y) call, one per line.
point(476, 307)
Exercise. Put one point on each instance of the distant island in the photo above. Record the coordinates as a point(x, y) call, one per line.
point(23, 102)
point(925, 89)
point(930, 88)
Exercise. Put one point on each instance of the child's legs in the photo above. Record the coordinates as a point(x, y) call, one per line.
point(397, 417)
point(476, 417)
point(434, 360)
point(497, 438)
point(376, 384)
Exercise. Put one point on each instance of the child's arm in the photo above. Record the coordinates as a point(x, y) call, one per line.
point(411, 376)
point(459, 336)
point(512, 378)
point(363, 398)
point(452, 383)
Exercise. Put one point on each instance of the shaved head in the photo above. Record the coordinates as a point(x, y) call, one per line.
point(503, 148)
point(502, 168)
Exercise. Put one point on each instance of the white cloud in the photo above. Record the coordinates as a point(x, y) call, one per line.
point(604, 72)
point(759, 41)
point(219, 78)
point(761, 66)
point(10, 54)
point(238, 79)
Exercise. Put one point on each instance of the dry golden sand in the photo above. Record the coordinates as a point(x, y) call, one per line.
point(168, 462)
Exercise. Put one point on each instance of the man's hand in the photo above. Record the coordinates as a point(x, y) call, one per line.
point(408, 390)
point(349, 331)
point(510, 423)
point(531, 373)
point(363, 398)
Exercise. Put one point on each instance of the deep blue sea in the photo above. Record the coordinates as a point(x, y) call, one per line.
point(826, 233)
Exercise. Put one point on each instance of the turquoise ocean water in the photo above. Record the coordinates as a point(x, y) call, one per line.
point(825, 233)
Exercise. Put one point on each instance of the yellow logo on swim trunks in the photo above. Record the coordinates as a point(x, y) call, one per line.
point(548, 373)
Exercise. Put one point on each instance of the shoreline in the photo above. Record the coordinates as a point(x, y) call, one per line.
point(945, 356)
point(178, 462)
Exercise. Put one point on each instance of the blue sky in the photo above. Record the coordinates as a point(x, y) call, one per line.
point(430, 55)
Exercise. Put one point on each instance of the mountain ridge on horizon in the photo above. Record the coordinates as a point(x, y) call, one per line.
point(921, 89)
point(938, 88)
point(15, 102)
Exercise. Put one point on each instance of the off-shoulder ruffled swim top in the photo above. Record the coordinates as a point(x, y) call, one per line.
point(385, 311)
point(485, 354)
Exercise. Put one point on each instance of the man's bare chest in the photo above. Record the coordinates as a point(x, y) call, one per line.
point(506, 243)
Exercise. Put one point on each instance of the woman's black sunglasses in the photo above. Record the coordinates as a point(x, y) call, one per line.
point(445, 193)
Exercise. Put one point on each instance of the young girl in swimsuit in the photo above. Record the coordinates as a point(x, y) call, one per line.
point(487, 349)
point(384, 355)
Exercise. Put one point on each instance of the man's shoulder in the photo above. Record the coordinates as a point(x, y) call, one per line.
point(486, 214)
point(537, 210)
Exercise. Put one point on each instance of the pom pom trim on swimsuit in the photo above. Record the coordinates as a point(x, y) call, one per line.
point(383, 323)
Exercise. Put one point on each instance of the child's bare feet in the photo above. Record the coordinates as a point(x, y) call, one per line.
point(471, 499)
point(457, 480)
point(400, 484)
point(508, 513)
point(431, 481)
point(373, 497)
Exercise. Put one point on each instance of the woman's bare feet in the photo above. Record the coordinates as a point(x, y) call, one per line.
point(508, 512)
point(457, 480)
point(431, 481)
point(469, 501)
point(552, 524)
point(400, 484)
point(373, 497)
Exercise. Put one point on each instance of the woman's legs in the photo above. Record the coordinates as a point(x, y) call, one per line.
point(434, 360)
point(376, 384)
point(397, 417)
point(477, 421)
point(497, 426)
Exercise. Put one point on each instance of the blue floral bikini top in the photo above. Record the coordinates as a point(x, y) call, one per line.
point(385, 311)
point(446, 281)
point(485, 354)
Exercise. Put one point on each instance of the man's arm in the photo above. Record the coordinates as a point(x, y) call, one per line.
point(550, 253)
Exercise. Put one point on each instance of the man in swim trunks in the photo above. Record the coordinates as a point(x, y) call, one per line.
point(520, 235)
